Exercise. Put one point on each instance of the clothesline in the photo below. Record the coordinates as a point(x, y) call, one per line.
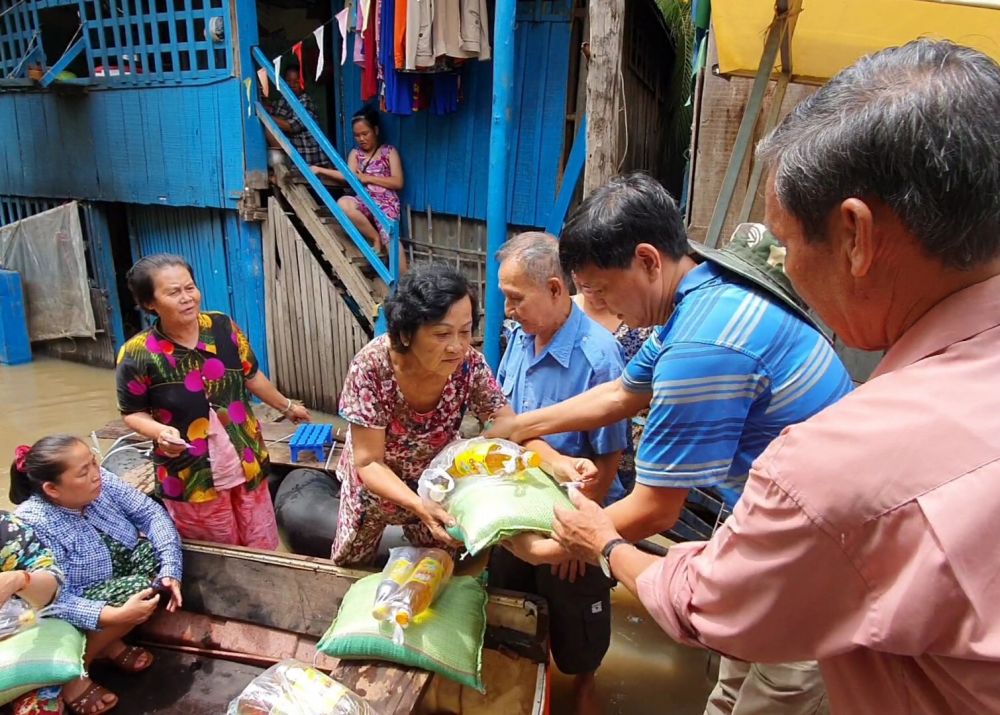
point(304, 38)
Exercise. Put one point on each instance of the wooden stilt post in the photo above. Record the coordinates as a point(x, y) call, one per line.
point(604, 88)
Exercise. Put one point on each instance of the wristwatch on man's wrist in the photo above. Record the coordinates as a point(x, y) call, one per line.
point(605, 560)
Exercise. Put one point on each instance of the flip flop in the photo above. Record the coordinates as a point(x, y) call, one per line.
point(126, 660)
point(91, 701)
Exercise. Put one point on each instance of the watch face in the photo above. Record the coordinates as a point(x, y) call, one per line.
point(605, 566)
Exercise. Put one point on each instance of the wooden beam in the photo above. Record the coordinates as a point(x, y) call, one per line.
point(773, 114)
point(744, 136)
point(607, 19)
point(335, 251)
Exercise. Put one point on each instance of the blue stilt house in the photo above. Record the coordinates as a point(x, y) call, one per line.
point(148, 113)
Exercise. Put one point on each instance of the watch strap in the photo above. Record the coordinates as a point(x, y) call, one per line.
point(611, 545)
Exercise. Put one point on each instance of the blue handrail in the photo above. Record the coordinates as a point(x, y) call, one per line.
point(390, 276)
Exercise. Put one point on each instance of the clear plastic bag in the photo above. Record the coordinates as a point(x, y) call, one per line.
point(412, 578)
point(474, 458)
point(294, 688)
point(17, 616)
point(494, 489)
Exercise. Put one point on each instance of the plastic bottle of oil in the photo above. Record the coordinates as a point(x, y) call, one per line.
point(485, 457)
point(423, 585)
point(402, 561)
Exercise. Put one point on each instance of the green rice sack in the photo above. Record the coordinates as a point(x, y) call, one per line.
point(446, 639)
point(51, 653)
point(491, 509)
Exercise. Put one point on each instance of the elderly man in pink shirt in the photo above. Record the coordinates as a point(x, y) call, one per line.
point(866, 537)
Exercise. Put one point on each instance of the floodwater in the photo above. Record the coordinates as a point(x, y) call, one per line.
point(644, 673)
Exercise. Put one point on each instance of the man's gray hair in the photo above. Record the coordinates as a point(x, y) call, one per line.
point(917, 127)
point(537, 254)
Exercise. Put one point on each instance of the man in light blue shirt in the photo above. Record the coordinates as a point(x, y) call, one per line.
point(554, 353)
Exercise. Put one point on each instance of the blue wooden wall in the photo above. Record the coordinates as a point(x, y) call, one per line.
point(445, 159)
point(177, 146)
point(225, 253)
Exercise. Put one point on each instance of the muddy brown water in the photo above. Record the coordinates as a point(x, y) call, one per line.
point(644, 673)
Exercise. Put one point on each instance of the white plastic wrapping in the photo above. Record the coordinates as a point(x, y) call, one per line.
point(47, 250)
point(17, 616)
point(294, 688)
point(476, 458)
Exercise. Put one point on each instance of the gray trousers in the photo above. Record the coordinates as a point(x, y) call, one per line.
point(774, 689)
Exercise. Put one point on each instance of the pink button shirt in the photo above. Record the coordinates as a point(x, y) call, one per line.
point(868, 537)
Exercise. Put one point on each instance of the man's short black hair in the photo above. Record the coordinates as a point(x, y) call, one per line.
point(628, 210)
point(425, 295)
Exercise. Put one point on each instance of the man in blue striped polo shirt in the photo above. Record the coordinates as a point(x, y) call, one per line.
point(737, 360)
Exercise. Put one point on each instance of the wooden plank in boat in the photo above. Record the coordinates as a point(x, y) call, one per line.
point(178, 682)
point(297, 594)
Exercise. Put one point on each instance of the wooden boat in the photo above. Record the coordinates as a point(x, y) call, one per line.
point(245, 610)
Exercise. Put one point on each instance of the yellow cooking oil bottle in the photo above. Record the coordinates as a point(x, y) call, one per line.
point(419, 590)
point(402, 561)
point(488, 458)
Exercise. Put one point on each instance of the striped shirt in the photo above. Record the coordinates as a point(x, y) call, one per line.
point(731, 368)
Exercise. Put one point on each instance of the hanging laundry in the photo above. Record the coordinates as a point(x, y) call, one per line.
point(297, 51)
point(460, 29)
point(399, 34)
point(277, 71)
point(369, 75)
point(475, 29)
point(447, 91)
point(365, 13)
point(397, 87)
point(419, 34)
point(359, 38)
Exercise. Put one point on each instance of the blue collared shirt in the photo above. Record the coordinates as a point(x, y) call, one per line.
point(581, 355)
point(728, 372)
point(121, 512)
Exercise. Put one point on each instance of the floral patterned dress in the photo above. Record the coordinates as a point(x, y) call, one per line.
point(387, 199)
point(178, 386)
point(20, 550)
point(372, 398)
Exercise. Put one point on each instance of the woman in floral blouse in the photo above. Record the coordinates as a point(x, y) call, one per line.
point(28, 571)
point(185, 384)
point(405, 397)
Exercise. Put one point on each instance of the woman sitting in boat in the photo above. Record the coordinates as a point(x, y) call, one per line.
point(379, 168)
point(185, 384)
point(112, 542)
point(28, 572)
point(405, 396)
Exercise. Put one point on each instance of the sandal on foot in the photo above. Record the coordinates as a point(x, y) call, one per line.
point(128, 658)
point(91, 701)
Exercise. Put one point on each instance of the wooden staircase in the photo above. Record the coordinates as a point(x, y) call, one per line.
point(355, 278)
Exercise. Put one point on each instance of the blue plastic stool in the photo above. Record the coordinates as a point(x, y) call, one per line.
point(315, 438)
